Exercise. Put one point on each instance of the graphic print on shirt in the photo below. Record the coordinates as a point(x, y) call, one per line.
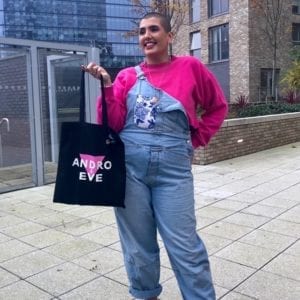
point(145, 111)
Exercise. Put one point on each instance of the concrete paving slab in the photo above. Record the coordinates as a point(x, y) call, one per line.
point(227, 230)
point(249, 220)
point(269, 240)
point(243, 254)
point(264, 210)
point(171, 290)
point(229, 204)
point(120, 275)
point(203, 221)
point(266, 286)
point(7, 278)
point(294, 249)
point(56, 219)
point(229, 274)
point(23, 229)
point(45, 238)
point(116, 246)
point(31, 263)
point(279, 202)
point(13, 248)
point(292, 215)
point(104, 236)
point(249, 196)
point(291, 193)
point(79, 226)
point(214, 243)
point(23, 290)
point(236, 296)
point(106, 217)
point(72, 248)
point(283, 227)
point(4, 238)
point(285, 265)
point(62, 278)
point(86, 211)
point(219, 193)
point(102, 261)
point(213, 212)
point(100, 288)
point(9, 220)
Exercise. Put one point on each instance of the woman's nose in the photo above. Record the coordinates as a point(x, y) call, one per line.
point(147, 33)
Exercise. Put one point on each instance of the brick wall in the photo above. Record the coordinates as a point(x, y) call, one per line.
point(243, 136)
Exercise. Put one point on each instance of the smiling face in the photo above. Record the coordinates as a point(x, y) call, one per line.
point(154, 40)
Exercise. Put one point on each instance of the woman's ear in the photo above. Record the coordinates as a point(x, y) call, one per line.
point(171, 37)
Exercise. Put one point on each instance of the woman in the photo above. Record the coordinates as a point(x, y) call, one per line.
point(154, 107)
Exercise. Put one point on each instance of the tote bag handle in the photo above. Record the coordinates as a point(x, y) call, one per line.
point(82, 100)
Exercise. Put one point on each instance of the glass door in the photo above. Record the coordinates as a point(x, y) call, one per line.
point(16, 154)
point(60, 92)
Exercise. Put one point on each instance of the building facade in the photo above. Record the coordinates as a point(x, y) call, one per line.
point(230, 37)
point(100, 23)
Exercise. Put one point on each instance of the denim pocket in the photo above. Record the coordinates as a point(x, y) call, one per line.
point(181, 156)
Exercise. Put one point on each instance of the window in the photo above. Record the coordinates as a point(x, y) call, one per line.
point(216, 7)
point(195, 38)
point(219, 43)
point(296, 7)
point(266, 82)
point(296, 33)
point(195, 11)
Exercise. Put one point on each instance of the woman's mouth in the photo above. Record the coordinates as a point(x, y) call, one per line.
point(149, 44)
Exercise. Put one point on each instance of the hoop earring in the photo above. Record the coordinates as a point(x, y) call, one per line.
point(170, 49)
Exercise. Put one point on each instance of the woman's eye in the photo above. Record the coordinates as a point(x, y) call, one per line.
point(154, 28)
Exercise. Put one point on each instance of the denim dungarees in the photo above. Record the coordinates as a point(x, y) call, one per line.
point(160, 196)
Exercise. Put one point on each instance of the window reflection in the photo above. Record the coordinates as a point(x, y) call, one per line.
point(217, 7)
point(219, 43)
point(195, 11)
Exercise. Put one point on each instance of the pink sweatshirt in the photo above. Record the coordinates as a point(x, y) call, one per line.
point(184, 78)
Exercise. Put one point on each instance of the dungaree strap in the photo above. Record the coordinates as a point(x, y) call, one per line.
point(140, 76)
point(139, 73)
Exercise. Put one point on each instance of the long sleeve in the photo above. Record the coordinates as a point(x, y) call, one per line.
point(209, 96)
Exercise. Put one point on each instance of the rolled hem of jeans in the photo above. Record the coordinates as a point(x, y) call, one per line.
point(145, 294)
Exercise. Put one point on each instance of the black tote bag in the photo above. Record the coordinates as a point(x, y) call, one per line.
point(91, 164)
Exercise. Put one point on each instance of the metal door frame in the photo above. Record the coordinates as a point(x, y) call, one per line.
point(34, 85)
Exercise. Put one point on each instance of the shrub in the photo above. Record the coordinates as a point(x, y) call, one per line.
point(291, 97)
point(241, 101)
point(253, 110)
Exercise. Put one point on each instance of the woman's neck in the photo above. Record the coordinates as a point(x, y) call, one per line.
point(158, 61)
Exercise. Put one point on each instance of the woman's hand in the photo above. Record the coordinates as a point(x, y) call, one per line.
point(96, 70)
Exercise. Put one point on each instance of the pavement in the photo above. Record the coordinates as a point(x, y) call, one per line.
point(247, 212)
